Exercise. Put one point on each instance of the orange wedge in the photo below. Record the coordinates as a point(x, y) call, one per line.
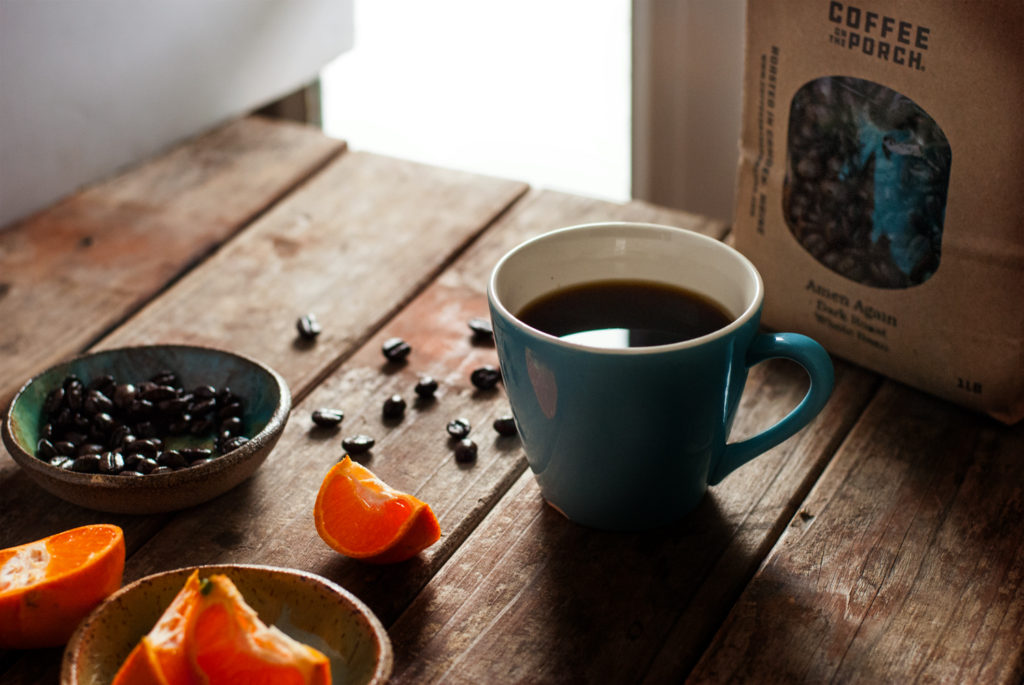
point(48, 586)
point(209, 635)
point(360, 516)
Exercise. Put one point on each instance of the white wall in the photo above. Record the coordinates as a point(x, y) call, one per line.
point(88, 87)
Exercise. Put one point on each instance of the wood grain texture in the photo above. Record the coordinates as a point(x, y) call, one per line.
point(70, 273)
point(524, 597)
point(903, 565)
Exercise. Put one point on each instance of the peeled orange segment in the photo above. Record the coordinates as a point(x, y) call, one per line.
point(360, 516)
point(47, 587)
point(210, 636)
point(231, 645)
point(161, 656)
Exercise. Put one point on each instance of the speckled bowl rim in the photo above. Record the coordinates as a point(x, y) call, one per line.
point(385, 652)
point(38, 469)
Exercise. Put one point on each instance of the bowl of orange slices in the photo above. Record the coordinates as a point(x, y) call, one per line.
point(230, 623)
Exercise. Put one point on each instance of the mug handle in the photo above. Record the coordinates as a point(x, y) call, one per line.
point(816, 362)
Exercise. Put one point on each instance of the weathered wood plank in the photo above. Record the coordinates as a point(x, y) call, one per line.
point(903, 564)
point(71, 272)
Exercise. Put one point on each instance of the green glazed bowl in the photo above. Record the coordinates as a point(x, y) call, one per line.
point(309, 608)
point(267, 402)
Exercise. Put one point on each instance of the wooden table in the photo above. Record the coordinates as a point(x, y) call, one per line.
point(883, 544)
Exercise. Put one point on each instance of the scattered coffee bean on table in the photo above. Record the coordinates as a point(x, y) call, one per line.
point(395, 349)
point(485, 377)
point(394, 407)
point(505, 425)
point(358, 444)
point(328, 418)
point(308, 326)
point(481, 328)
point(465, 451)
point(459, 428)
point(109, 427)
point(426, 387)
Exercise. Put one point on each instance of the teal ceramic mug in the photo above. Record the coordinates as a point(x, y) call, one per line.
point(629, 438)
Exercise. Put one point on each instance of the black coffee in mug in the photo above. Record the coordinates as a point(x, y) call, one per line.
point(625, 313)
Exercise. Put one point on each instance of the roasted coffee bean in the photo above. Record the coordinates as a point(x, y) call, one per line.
point(74, 394)
point(328, 418)
point(231, 424)
point(87, 463)
point(395, 349)
point(140, 408)
point(204, 392)
point(485, 377)
point(458, 428)
point(54, 400)
point(75, 437)
point(394, 407)
point(45, 449)
point(195, 453)
point(167, 377)
point(465, 451)
point(233, 443)
point(308, 326)
point(146, 465)
point(65, 447)
point(46, 431)
point(111, 463)
point(131, 473)
point(161, 469)
point(505, 425)
point(63, 419)
point(131, 461)
point(203, 405)
point(96, 402)
point(481, 328)
point(230, 409)
point(89, 448)
point(60, 461)
point(118, 435)
point(176, 405)
point(173, 459)
point(358, 444)
point(104, 423)
point(426, 387)
point(104, 384)
point(158, 393)
point(124, 395)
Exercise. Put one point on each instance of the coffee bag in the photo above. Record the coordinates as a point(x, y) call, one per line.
point(881, 186)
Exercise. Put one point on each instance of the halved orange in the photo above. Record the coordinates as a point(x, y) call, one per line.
point(360, 516)
point(48, 586)
point(209, 635)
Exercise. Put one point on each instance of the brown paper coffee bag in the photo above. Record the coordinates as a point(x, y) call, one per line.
point(881, 186)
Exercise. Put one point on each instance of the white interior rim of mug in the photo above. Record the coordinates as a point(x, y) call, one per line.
point(748, 287)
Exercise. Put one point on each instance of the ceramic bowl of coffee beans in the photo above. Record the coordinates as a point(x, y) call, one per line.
point(146, 429)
